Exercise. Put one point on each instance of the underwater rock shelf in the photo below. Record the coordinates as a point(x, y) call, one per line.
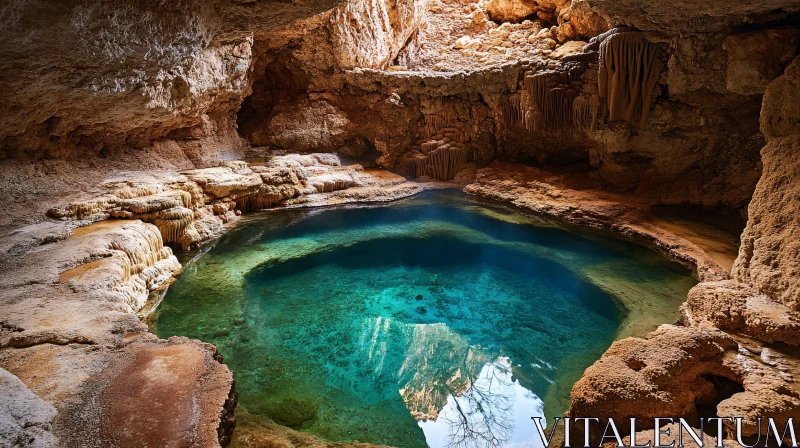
point(377, 324)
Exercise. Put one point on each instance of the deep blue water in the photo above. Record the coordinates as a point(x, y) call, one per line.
point(434, 321)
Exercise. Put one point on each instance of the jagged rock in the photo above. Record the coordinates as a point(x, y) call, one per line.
point(191, 207)
point(579, 20)
point(511, 10)
point(569, 48)
point(674, 16)
point(143, 85)
point(780, 114)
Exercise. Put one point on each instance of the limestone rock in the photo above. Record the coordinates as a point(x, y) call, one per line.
point(390, 25)
point(569, 198)
point(579, 20)
point(569, 48)
point(191, 207)
point(757, 58)
point(780, 114)
point(675, 16)
point(769, 258)
point(666, 374)
point(676, 369)
point(734, 307)
point(510, 10)
point(316, 126)
point(25, 419)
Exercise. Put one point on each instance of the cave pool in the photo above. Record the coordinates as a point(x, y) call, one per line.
point(439, 320)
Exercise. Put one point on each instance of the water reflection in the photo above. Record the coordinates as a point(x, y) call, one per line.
point(426, 324)
point(461, 398)
point(495, 411)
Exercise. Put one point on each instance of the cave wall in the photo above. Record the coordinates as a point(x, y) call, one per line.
point(312, 76)
point(699, 147)
point(85, 77)
point(769, 257)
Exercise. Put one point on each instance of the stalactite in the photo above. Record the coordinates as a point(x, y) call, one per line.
point(442, 163)
point(455, 134)
point(254, 202)
point(172, 222)
point(548, 100)
point(575, 71)
point(434, 123)
point(512, 110)
point(628, 74)
point(585, 112)
point(594, 43)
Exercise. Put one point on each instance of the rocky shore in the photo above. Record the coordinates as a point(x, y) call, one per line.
point(105, 259)
point(124, 134)
point(72, 288)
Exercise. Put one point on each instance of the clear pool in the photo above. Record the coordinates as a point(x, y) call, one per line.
point(433, 321)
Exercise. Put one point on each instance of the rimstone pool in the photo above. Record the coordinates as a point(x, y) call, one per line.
point(433, 321)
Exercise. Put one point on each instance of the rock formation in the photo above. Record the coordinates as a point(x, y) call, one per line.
point(126, 121)
point(758, 307)
point(190, 207)
point(770, 247)
point(72, 289)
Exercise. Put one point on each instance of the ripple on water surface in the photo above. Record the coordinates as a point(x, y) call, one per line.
point(434, 321)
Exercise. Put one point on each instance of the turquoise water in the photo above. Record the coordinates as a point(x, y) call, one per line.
point(434, 321)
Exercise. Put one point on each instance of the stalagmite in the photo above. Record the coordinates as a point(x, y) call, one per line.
point(628, 74)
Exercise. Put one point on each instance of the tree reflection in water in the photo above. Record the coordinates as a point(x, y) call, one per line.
point(485, 415)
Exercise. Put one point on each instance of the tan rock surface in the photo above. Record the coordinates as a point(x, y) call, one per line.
point(755, 59)
point(769, 258)
point(757, 308)
point(190, 207)
point(70, 291)
point(678, 16)
point(676, 369)
point(512, 10)
point(737, 308)
point(69, 322)
point(136, 85)
point(666, 374)
point(25, 419)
